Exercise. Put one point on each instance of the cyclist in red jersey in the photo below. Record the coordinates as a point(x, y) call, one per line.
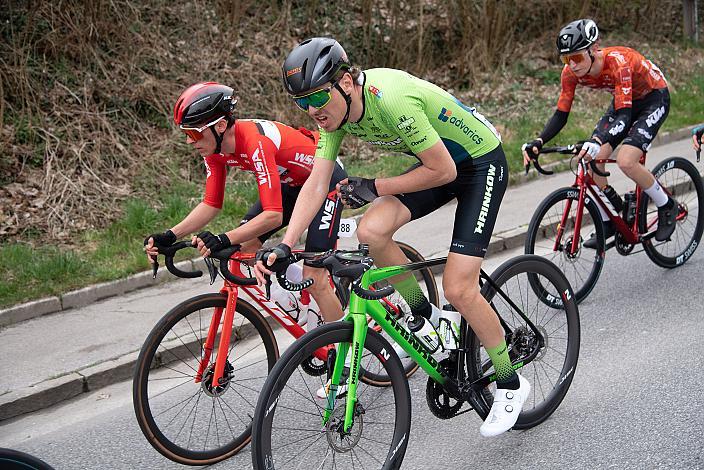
point(640, 104)
point(281, 159)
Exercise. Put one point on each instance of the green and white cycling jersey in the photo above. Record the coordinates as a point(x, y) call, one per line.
point(406, 114)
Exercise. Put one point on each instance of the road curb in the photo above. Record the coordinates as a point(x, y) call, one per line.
point(87, 295)
point(41, 395)
point(88, 379)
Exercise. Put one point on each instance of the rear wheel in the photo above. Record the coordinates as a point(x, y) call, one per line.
point(681, 180)
point(582, 267)
point(550, 372)
point(201, 423)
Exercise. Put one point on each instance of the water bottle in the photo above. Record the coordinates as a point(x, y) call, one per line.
point(424, 331)
point(449, 327)
point(629, 207)
point(311, 310)
point(286, 300)
point(613, 197)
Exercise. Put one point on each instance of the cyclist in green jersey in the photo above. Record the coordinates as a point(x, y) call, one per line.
point(459, 157)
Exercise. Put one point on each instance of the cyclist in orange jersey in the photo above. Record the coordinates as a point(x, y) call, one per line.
point(640, 104)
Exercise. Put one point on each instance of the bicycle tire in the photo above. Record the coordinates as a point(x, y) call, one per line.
point(689, 194)
point(159, 435)
point(581, 269)
point(278, 397)
point(11, 459)
point(478, 363)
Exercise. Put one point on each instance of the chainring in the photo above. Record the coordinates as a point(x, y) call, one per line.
point(622, 246)
point(440, 402)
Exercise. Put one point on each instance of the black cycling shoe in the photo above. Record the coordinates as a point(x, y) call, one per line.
point(609, 231)
point(667, 220)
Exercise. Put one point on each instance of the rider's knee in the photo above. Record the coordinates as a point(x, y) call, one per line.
point(373, 232)
point(460, 293)
point(626, 164)
point(251, 246)
point(321, 283)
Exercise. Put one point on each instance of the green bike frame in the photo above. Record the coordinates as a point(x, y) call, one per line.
point(359, 308)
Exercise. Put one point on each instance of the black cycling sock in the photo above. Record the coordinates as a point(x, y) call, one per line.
point(424, 310)
point(512, 383)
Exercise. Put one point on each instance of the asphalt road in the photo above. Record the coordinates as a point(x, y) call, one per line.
point(635, 402)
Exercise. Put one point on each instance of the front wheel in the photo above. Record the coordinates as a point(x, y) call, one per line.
point(288, 423)
point(551, 371)
point(548, 236)
point(681, 180)
point(200, 423)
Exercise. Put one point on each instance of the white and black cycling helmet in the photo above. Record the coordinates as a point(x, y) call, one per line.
point(313, 63)
point(577, 36)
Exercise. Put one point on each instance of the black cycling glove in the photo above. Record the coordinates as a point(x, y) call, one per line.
point(533, 148)
point(163, 240)
point(283, 257)
point(358, 192)
point(698, 131)
point(214, 242)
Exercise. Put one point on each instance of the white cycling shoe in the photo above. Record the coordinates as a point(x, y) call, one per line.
point(505, 410)
point(434, 320)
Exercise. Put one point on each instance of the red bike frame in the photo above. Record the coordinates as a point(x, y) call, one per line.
point(259, 297)
point(585, 183)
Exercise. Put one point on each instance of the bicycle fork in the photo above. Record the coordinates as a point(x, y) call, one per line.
point(355, 348)
point(224, 337)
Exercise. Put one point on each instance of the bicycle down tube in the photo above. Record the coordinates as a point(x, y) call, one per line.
point(259, 297)
point(360, 307)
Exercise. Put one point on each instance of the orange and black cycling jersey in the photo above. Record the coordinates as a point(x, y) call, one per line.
point(276, 154)
point(626, 74)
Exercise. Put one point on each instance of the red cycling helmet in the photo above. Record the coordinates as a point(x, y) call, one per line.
point(202, 105)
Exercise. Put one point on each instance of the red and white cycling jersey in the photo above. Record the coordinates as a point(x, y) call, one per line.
point(274, 152)
point(626, 74)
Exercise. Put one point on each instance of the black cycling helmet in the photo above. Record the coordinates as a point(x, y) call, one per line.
point(203, 103)
point(312, 63)
point(577, 36)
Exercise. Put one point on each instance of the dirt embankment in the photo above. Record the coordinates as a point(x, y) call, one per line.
point(86, 87)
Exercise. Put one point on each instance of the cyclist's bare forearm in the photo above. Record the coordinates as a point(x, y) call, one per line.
point(195, 220)
point(438, 168)
point(311, 197)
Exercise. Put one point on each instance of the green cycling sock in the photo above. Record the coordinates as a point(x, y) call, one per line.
point(502, 363)
point(409, 289)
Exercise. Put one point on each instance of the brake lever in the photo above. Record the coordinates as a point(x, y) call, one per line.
point(267, 286)
point(155, 266)
point(212, 270)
